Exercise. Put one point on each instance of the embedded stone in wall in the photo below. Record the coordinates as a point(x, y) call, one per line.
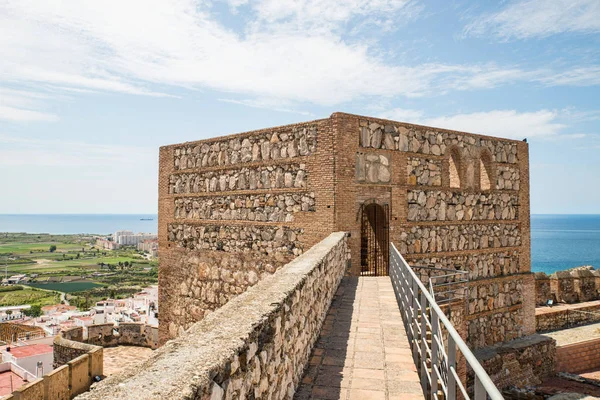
point(507, 178)
point(431, 239)
point(266, 177)
point(422, 171)
point(372, 168)
point(494, 295)
point(437, 205)
point(232, 238)
point(288, 143)
point(262, 207)
point(419, 140)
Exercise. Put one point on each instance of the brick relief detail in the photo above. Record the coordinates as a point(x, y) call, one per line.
point(480, 266)
point(262, 207)
point(428, 239)
point(507, 178)
point(267, 177)
point(436, 205)
point(290, 143)
point(419, 140)
point(422, 171)
point(231, 238)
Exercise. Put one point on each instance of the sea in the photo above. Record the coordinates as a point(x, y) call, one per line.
point(558, 242)
point(101, 224)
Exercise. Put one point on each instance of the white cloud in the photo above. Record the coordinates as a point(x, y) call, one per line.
point(539, 18)
point(23, 106)
point(500, 123)
point(18, 151)
point(294, 51)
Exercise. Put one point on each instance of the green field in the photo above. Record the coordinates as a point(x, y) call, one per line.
point(67, 287)
point(71, 268)
point(29, 296)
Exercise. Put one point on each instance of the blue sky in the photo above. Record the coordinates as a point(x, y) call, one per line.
point(89, 90)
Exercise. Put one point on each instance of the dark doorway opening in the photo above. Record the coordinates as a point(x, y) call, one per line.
point(374, 240)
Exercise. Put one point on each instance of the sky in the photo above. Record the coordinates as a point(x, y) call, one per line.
point(89, 90)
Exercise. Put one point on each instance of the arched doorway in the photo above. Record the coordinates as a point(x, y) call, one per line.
point(374, 240)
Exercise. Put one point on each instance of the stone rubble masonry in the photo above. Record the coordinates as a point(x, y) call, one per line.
point(527, 361)
point(236, 238)
point(551, 319)
point(430, 141)
point(424, 171)
point(287, 176)
point(437, 205)
point(479, 266)
point(576, 285)
point(255, 346)
point(428, 239)
point(507, 178)
point(353, 161)
point(262, 207)
point(287, 143)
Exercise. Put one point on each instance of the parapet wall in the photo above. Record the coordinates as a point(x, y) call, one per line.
point(109, 335)
point(572, 286)
point(255, 346)
point(75, 363)
point(522, 362)
point(578, 357)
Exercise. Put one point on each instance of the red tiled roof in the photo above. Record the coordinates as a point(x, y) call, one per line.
point(5, 382)
point(30, 350)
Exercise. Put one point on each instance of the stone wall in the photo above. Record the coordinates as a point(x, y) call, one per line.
point(527, 361)
point(288, 142)
point(372, 168)
point(555, 318)
point(479, 266)
point(263, 207)
point(266, 196)
point(437, 205)
point(424, 172)
point(255, 346)
point(428, 239)
point(238, 238)
point(430, 141)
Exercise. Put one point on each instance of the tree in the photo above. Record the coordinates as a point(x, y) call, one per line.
point(52, 248)
point(126, 263)
point(77, 256)
point(34, 312)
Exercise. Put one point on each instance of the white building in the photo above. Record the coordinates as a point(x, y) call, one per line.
point(36, 359)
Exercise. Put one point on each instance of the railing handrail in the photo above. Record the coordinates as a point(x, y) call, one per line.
point(484, 379)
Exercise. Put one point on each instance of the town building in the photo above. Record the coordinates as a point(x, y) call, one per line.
point(36, 359)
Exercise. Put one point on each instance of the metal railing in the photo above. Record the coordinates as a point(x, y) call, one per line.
point(445, 285)
point(425, 323)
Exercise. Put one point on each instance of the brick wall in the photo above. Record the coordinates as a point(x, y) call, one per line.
point(578, 357)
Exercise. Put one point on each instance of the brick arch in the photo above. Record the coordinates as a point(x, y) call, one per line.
point(454, 163)
point(487, 173)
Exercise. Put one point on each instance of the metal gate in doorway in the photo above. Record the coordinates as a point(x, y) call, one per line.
point(374, 240)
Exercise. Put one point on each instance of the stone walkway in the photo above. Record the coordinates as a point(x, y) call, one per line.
point(363, 352)
point(116, 359)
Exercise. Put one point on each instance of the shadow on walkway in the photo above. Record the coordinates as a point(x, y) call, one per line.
point(362, 352)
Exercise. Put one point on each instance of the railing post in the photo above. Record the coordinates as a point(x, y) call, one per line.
point(480, 393)
point(451, 366)
point(435, 333)
point(423, 314)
